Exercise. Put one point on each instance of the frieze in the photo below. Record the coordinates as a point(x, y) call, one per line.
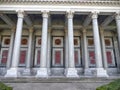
point(68, 2)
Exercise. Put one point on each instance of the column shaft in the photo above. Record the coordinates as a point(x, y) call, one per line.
point(85, 50)
point(12, 72)
point(66, 49)
point(28, 62)
point(118, 28)
point(71, 71)
point(10, 48)
point(43, 70)
point(44, 42)
point(103, 49)
point(100, 72)
point(98, 55)
point(70, 42)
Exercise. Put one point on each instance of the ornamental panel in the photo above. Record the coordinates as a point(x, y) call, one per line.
point(76, 42)
point(24, 42)
point(57, 57)
point(90, 42)
point(108, 42)
point(57, 41)
point(23, 57)
point(110, 57)
point(38, 41)
point(92, 61)
point(4, 56)
point(6, 42)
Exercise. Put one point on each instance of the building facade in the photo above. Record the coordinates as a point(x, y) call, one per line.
point(69, 38)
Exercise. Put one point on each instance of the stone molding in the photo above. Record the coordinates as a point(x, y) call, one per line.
point(80, 2)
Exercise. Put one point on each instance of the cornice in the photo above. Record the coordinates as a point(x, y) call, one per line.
point(63, 2)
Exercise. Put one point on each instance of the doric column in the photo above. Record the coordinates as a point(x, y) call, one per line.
point(11, 48)
point(12, 72)
point(43, 72)
point(87, 71)
point(103, 49)
point(71, 72)
point(27, 71)
point(100, 72)
point(118, 27)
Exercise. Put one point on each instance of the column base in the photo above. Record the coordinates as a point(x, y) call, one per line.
point(12, 72)
point(42, 72)
point(27, 72)
point(87, 72)
point(100, 72)
point(71, 72)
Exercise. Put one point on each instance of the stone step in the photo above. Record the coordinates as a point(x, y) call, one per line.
point(56, 83)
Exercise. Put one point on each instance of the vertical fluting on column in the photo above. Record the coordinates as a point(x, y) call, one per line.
point(43, 72)
point(27, 71)
point(100, 72)
point(71, 71)
point(9, 60)
point(103, 48)
point(12, 72)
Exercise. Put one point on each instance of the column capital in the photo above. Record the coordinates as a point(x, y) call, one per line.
point(49, 30)
point(117, 16)
point(101, 31)
point(84, 30)
point(45, 14)
point(13, 29)
point(70, 14)
point(31, 30)
point(20, 13)
point(95, 14)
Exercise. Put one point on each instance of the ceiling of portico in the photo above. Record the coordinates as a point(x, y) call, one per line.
point(59, 21)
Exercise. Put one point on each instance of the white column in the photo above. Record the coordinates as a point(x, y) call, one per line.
point(12, 72)
point(100, 72)
point(27, 71)
point(118, 28)
point(11, 48)
point(66, 51)
point(43, 72)
point(103, 49)
point(0, 44)
point(87, 70)
point(49, 51)
point(71, 72)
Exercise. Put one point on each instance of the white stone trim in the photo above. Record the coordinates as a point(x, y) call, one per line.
point(5, 37)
